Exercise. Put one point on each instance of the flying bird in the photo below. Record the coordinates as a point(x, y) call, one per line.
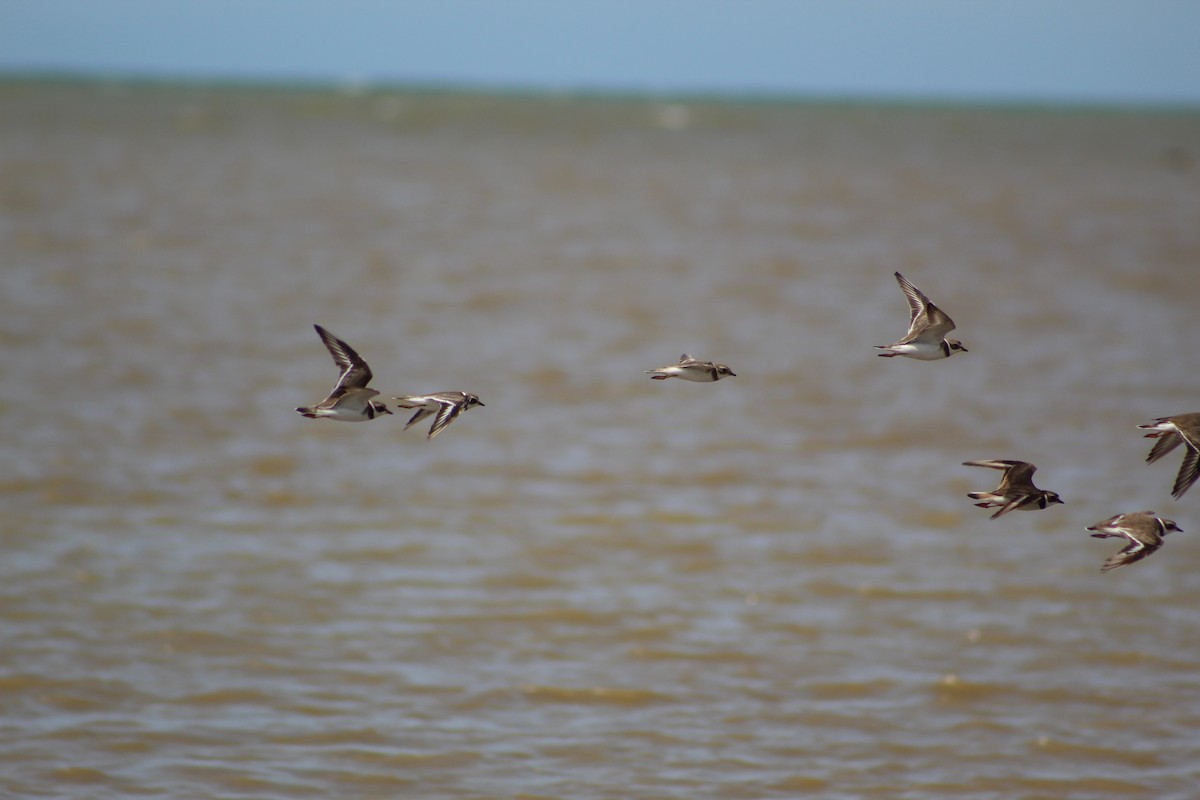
point(1016, 491)
point(443, 406)
point(350, 400)
point(927, 328)
point(1144, 530)
point(692, 369)
point(1171, 432)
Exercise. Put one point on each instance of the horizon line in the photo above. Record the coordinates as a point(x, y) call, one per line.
point(351, 85)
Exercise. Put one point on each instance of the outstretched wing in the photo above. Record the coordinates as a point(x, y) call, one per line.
point(1015, 503)
point(1016, 473)
point(1020, 474)
point(926, 320)
point(445, 415)
point(1134, 551)
point(421, 414)
point(355, 372)
point(1164, 443)
point(1189, 470)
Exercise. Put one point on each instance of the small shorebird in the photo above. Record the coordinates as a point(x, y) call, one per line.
point(1016, 491)
point(691, 369)
point(927, 328)
point(1170, 432)
point(1144, 530)
point(446, 406)
point(350, 400)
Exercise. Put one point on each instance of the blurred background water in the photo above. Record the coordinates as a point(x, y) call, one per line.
point(597, 585)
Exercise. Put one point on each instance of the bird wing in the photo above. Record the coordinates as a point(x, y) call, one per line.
point(1014, 503)
point(1005, 464)
point(926, 320)
point(445, 415)
point(1020, 474)
point(1134, 551)
point(1017, 474)
point(355, 372)
point(1188, 472)
point(1164, 443)
point(421, 414)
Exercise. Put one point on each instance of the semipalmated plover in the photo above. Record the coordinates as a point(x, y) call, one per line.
point(1144, 530)
point(350, 400)
point(692, 369)
point(1016, 491)
point(927, 328)
point(446, 405)
point(1170, 432)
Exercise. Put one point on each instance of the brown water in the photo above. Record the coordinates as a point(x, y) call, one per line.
point(597, 586)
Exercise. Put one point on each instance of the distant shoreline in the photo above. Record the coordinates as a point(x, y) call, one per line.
point(353, 88)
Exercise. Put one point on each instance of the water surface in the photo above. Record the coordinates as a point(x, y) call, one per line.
point(598, 585)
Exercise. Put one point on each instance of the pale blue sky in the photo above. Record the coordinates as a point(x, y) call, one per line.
point(1141, 51)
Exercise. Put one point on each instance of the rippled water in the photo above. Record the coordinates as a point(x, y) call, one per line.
point(597, 585)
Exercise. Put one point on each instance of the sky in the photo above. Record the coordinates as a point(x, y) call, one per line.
point(1144, 52)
